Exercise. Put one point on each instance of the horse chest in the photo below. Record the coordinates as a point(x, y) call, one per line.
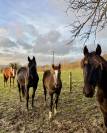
point(102, 100)
point(33, 81)
point(49, 84)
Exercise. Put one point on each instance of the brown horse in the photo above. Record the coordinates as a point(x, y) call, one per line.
point(9, 73)
point(28, 77)
point(22, 78)
point(95, 74)
point(52, 83)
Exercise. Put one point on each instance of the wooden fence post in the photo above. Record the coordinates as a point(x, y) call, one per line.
point(70, 80)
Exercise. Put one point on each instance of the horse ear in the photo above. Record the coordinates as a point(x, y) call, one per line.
point(98, 50)
point(59, 66)
point(33, 58)
point(53, 66)
point(85, 50)
point(29, 59)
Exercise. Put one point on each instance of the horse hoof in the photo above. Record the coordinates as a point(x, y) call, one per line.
point(45, 104)
point(50, 115)
point(33, 107)
point(27, 108)
point(102, 125)
point(20, 100)
point(55, 111)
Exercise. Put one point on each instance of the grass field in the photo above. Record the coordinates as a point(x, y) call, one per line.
point(76, 114)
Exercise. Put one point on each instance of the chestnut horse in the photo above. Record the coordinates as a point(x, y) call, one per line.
point(9, 73)
point(95, 74)
point(28, 77)
point(52, 83)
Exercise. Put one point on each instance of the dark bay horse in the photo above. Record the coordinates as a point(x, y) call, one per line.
point(9, 73)
point(95, 74)
point(52, 83)
point(28, 77)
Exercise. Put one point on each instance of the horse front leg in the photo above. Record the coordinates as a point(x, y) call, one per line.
point(51, 107)
point(19, 91)
point(10, 82)
point(13, 81)
point(27, 97)
point(56, 103)
point(105, 119)
point(33, 95)
point(4, 82)
point(45, 93)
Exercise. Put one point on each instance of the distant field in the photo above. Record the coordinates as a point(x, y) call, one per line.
point(65, 66)
point(76, 114)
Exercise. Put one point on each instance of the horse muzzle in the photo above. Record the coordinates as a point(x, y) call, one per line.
point(89, 91)
point(90, 95)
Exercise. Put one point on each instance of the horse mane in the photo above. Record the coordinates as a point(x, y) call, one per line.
point(35, 66)
point(101, 60)
point(21, 69)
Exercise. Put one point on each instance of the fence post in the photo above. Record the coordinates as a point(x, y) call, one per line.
point(70, 80)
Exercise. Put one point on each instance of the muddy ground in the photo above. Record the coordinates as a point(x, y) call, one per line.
point(76, 114)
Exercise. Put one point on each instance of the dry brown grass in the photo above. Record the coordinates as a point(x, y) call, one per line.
point(65, 66)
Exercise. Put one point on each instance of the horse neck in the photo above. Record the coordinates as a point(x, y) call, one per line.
point(32, 72)
point(59, 76)
point(102, 84)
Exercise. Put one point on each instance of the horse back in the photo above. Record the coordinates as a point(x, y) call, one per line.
point(7, 72)
point(46, 74)
point(22, 75)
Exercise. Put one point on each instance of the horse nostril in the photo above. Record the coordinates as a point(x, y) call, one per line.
point(89, 95)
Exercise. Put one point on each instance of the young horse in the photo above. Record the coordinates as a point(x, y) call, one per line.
point(95, 74)
point(9, 73)
point(26, 78)
point(22, 77)
point(52, 83)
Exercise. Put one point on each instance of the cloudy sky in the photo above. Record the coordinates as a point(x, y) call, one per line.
point(36, 28)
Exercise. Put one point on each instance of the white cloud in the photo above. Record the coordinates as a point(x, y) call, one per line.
point(6, 43)
point(3, 31)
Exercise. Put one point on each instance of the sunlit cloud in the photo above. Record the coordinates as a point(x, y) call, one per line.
point(37, 28)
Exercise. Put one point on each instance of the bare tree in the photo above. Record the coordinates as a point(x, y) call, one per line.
point(90, 17)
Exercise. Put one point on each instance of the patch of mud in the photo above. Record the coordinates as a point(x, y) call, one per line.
point(76, 114)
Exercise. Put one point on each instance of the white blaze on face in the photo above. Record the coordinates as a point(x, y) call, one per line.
point(55, 76)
